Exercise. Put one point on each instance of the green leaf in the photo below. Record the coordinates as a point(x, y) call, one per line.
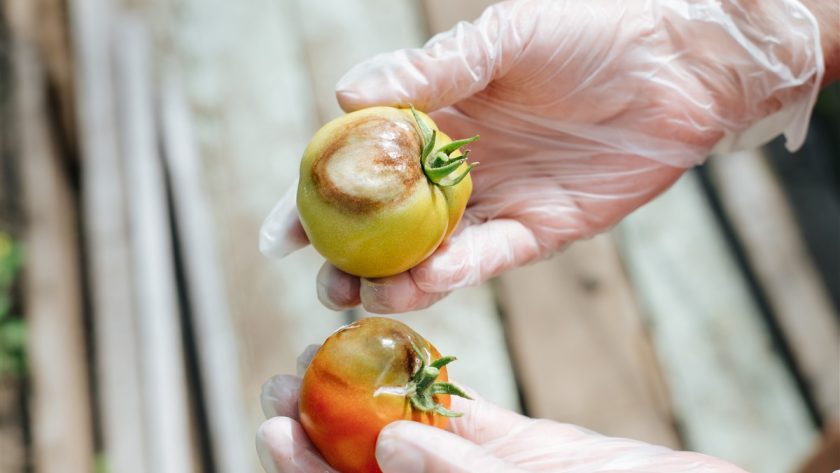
point(13, 335)
point(425, 132)
point(443, 361)
point(449, 148)
point(440, 410)
point(452, 182)
point(449, 388)
point(436, 174)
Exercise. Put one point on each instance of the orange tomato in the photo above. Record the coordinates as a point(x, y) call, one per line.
point(366, 375)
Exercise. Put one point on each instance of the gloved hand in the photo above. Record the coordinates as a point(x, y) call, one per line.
point(487, 439)
point(586, 111)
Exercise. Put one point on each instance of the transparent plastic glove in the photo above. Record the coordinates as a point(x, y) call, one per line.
point(487, 438)
point(586, 111)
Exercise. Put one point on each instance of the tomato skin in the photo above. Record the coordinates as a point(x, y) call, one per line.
point(351, 390)
point(388, 217)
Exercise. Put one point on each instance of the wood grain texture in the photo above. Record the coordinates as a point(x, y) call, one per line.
point(581, 348)
point(732, 395)
point(758, 210)
point(164, 391)
point(826, 456)
point(55, 46)
point(106, 240)
point(61, 420)
point(338, 34)
point(12, 444)
point(210, 312)
point(249, 99)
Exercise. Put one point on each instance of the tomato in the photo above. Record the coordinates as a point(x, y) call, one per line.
point(366, 375)
point(380, 189)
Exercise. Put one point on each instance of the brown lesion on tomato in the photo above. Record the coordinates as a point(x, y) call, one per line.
point(374, 162)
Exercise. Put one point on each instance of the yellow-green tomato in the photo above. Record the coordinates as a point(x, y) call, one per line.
point(366, 200)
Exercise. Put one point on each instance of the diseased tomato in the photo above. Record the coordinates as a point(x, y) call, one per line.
point(380, 189)
point(366, 375)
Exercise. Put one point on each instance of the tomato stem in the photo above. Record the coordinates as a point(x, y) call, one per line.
point(424, 385)
point(439, 164)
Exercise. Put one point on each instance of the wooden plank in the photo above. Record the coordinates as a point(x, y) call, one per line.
point(342, 34)
point(61, 421)
point(250, 102)
point(55, 46)
point(346, 32)
point(826, 457)
point(164, 388)
point(732, 395)
point(210, 312)
point(104, 207)
point(12, 443)
point(444, 14)
point(756, 205)
point(581, 347)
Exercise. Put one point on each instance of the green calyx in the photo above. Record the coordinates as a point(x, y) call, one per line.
point(423, 386)
point(439, 164)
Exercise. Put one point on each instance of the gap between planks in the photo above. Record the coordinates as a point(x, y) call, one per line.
point(581, 347)
point(761, 216)
point(251, 118)
point(210, 314)
point(732, 395)
point(170, 441)
point(61, 419)
point(106, 233)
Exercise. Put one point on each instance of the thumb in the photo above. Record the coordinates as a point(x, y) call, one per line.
point(281, 232)
point(411, 447)
point(452, 66)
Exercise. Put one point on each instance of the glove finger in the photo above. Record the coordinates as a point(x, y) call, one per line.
point(283, 447)
point(305, 358)
point(281, 231)
point(452, 66)
point(482, 421)
point(411, 447)
point(475, 255)
point(396, 294)
point(279, 396)
point(336, 289)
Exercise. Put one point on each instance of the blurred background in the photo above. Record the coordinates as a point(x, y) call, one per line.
point(143, 142)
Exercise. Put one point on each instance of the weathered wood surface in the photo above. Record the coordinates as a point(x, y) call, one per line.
point(210, 313)
point(164, 391)
point(582, 351)
point(826, 456)
point(761, 216)
point(107, 240)
point(57, 59)
point(732, 395)
point(12, 445)
point(250, 102)
point(61, 419)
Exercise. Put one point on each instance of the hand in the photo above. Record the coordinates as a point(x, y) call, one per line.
point(487, 439)
point(586, 111)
